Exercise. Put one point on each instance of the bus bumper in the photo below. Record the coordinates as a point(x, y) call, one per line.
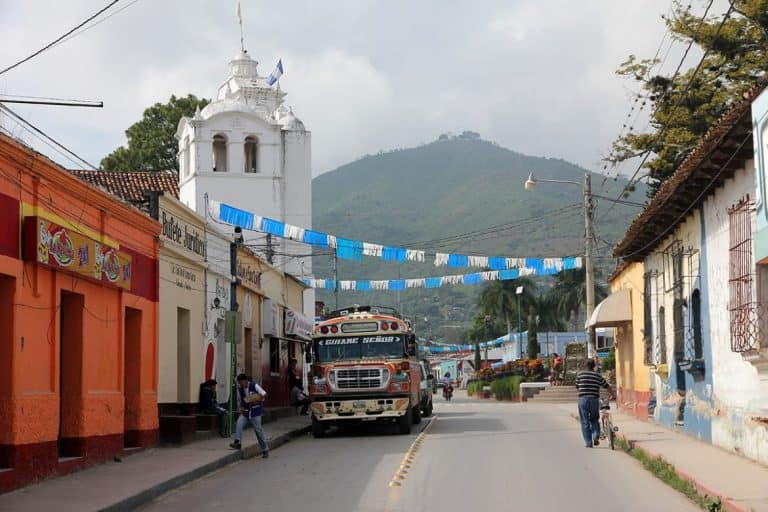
point(359, 409)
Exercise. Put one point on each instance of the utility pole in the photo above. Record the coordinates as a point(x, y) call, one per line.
point(336, 280)
point(270, 250)
point(590, 274)
point(232, 323)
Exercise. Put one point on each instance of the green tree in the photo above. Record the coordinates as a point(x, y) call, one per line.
point(152, 144)
point(533, 341)
point(569, 294)
point(499, 300)
point(478, 360)
point(685, 105)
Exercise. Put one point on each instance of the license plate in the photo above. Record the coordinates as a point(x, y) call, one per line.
point(359, 405)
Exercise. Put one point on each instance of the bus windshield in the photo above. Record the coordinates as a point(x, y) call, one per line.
point(359, 347)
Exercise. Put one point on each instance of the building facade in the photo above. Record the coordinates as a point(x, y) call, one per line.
point(248, 150)
point(704, 330)
point(633, 381)
point(78, 321)
point(183, 252)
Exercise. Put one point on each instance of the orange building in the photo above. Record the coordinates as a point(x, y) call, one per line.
point(78, 321)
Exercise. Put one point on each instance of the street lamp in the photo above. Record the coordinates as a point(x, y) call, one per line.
point(519, 293)
point(530, 184)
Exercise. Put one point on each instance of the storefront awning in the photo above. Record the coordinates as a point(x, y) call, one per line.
point(615, 310)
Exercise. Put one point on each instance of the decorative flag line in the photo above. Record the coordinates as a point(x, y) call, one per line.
point(355, 250)
point(444, 348)
point(439, 282)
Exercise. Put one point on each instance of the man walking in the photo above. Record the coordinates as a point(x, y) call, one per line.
point(588, 383)
point(251, 406)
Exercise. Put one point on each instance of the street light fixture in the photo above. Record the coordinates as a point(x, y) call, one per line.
point(519, 293)
point(530, 184)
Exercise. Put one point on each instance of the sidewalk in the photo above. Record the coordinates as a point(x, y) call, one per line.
point(117, 486)
point(741, 484)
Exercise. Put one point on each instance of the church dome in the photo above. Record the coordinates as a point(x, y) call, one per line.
point(243, 66)
point(289, 121)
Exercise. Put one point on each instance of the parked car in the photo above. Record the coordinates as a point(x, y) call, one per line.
point(426, 389)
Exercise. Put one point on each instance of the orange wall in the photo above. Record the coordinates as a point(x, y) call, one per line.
point(29, 399)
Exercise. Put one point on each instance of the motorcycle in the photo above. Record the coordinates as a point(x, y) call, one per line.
point(448, 392)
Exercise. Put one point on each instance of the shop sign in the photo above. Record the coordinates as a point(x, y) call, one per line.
point(183, 277)
point(249, 274)
point(182, 234)
point(297, 324)
point(63, 248)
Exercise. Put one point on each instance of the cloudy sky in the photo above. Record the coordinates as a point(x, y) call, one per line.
point(536, 76)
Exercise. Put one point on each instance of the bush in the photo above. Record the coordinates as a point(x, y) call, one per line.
point(506, 388)
point(475, 386)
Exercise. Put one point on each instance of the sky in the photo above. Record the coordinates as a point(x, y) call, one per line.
point(535, 76)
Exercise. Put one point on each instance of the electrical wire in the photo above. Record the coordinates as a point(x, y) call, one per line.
point(59, 39)
point(685, 91)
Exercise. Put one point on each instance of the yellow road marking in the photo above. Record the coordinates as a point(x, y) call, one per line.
point(405, 466)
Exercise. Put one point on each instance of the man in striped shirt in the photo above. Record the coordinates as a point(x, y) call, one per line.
point(588, 383)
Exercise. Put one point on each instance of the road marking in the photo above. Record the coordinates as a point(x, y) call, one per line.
point(405, 464)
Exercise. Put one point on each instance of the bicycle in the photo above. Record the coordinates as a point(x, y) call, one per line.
point(607, 428)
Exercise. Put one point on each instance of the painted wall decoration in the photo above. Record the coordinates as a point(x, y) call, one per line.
point(58, 247)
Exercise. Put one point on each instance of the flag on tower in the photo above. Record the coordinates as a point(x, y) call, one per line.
point(275, 75)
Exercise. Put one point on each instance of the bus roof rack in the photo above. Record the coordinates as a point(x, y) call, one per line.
point(355, 308)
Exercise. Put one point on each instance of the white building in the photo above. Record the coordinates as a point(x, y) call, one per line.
point(248, 150)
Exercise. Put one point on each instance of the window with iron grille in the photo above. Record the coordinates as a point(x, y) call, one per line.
point(648, 318)
point(661, 357)
point(742, 303)
point(698, 348)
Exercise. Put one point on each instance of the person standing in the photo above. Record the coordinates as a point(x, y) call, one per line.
point(251, 406)
point(588, 383)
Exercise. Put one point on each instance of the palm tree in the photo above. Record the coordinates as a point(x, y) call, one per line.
point(570, 293)
point(499, 298)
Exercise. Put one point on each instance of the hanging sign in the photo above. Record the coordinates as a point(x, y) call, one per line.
point(63, 248)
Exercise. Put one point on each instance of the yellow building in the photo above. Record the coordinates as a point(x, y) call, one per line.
point(624, 310)
point(273, 326)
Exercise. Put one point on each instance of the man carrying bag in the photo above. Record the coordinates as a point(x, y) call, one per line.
point(251, 406)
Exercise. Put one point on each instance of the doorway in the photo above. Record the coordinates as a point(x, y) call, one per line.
point(248, 335)
point(70, 373)
point(132, 377)
point(183, 356)
point(7, 291)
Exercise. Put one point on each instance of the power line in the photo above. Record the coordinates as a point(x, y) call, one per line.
point(58, 39)
point(674, 223)
point(683, 94)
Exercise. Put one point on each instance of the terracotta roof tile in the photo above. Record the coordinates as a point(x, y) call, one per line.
point(726, 144)
point(131, 186)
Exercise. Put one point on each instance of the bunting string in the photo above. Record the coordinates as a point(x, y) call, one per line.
point(356, 250)
point(546, 268)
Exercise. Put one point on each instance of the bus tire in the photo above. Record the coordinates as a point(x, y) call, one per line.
point(404, 422)
point(416, 415)
point(318, 428)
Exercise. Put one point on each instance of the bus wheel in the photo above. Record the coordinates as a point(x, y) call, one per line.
point(318, 428)
point(404, 422)
point(416, 415)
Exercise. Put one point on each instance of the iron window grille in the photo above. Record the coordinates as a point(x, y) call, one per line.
point(743, 307)
point(648, 339)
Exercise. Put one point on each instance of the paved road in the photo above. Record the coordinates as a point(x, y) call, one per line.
point(478, 455)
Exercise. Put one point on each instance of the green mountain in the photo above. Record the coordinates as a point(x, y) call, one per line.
point(458, 194)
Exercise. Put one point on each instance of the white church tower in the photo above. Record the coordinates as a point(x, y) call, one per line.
point(248, 150)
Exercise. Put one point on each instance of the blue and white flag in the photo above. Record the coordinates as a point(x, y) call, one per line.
point(275, 75)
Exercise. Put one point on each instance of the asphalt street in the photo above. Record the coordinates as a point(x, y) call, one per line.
point(477, 455)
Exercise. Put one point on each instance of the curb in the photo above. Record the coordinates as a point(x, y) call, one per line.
point(729, 504)
point(147, 495)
